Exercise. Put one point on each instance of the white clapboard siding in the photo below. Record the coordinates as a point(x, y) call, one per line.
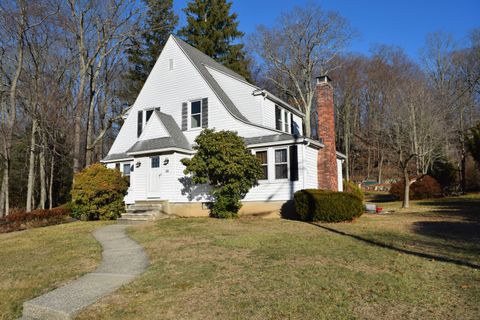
point(168, 89)
point(340, 174)
point(269, 116)
point(311, 169)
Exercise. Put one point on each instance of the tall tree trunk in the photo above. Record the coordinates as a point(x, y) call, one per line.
point(77, 127)
point(31, 167)
point(308, 125)
point(12, 115)
point(380, 167)
point(43, 186)
point(90, 131)
point(50, 184)
point(2, 191)
point(406, 190)
point(463, 168)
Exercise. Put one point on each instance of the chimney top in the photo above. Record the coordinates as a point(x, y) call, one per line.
point(323, 79)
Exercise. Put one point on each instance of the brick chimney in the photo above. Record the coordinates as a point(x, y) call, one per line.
point(327, 157)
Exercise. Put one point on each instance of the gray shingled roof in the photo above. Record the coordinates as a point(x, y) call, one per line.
point(200, 60)
point(271, 138)
point(116, 156)
point(176, 138)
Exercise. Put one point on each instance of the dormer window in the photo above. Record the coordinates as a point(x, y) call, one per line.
point(282, 119)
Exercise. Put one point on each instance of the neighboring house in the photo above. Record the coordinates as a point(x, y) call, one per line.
point(188, 91)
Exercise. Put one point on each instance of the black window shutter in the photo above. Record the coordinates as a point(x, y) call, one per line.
point(184, 116)
point(139, 123)
point(294, 163)
point(292, 125)
point(205, 113)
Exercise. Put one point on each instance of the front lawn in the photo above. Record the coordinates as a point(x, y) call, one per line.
point(421, 264)
point(35, 261)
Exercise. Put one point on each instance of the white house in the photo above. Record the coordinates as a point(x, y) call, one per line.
point(188, 91)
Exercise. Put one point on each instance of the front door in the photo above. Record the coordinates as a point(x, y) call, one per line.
point(154, 177)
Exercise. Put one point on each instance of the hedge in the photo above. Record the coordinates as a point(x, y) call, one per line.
point(327, 206)
point(21, 220)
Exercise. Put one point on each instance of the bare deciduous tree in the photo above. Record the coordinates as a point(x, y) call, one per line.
point(303, 45)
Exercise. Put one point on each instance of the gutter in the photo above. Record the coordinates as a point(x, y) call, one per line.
point(116, 160)
point(276, 99)
point(135, 153)
point(305, 141)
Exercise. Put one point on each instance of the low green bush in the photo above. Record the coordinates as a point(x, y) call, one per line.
point(351, 187)
point(97, 193)
point(21, 220)
point(327, 206)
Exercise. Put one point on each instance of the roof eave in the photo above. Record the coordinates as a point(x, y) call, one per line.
point(181, 150)
point(116, 160)
point(279, 101)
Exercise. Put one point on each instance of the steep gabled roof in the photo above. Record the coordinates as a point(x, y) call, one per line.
point(200, 60)
point(176, 138)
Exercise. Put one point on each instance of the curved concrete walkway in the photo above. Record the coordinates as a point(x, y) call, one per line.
point(122, 260)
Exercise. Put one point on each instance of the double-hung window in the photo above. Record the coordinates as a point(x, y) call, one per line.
point(282, 119)
point(281, 164)
point(195, 114)
point(278, 118)
point(262, 156)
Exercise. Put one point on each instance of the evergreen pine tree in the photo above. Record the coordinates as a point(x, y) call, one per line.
point(213, 30)
point(143, 51)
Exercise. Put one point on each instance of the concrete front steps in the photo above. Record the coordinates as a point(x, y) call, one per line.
point(143, 211)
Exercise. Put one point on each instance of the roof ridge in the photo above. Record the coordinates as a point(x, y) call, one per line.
point(215, 63)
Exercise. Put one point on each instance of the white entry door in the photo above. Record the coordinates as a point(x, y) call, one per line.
point(154, 177)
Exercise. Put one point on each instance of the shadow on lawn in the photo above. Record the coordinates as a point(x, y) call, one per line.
point(401, 250)
point(462, 220)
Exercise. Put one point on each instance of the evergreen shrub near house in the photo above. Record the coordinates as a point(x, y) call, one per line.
point(351, 187)
point(327, 206)
point(424, 188)
point(97, 193)
point(223, 162)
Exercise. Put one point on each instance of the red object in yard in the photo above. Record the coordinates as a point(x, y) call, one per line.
point(379, 209)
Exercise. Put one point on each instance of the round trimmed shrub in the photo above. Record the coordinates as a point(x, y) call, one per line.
point(327, 206)
point(97, 193)
point(424, 188)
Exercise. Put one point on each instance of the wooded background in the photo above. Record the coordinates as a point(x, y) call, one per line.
point(70, 69)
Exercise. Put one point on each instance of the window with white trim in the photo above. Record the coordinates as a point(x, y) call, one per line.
point(281, 164)
point(195, 114)
point(282, 119)
point(155, 162)
point(126, 169)
point(262, 156)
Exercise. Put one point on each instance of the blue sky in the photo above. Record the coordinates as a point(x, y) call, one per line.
point(393, 22)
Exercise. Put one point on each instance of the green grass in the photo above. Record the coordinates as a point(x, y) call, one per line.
point(380, 266)
point(36, 261)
